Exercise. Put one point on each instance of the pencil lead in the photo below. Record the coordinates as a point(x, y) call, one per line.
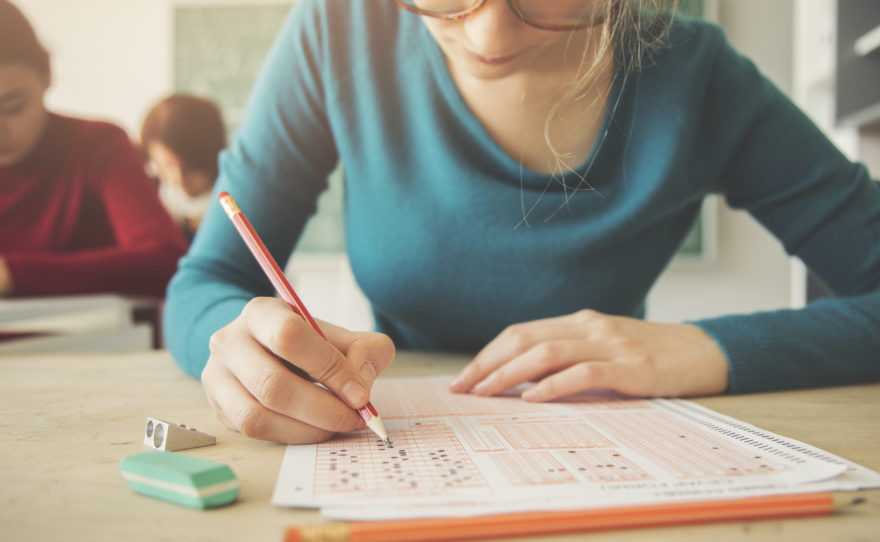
point(388, 442)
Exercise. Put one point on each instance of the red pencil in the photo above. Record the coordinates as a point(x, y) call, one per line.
point(285, 290)
point(505, 526)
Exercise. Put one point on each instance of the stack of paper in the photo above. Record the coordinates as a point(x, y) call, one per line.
point(458, 455)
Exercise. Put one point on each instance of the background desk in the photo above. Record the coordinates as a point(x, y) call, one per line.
point(81, 323)
point(67, 419)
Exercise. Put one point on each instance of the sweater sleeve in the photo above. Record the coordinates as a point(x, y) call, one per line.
point(276, 168)
point(146, 244)
point(823, 209)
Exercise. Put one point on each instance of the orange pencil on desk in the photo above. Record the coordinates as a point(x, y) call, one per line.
point(515, 525)
point(285, 290)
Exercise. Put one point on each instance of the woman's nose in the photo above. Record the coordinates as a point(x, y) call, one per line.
point(493, 28)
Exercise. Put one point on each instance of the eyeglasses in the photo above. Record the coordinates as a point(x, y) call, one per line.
point(544, 14)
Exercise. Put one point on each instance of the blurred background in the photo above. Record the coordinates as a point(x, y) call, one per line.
point(112, 59)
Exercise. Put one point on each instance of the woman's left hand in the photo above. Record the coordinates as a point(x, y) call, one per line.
point(588, 349)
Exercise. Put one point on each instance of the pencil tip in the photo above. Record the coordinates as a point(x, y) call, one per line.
point(388, 441)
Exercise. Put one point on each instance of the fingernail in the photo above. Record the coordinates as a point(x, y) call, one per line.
point(355, 393)
point(456, 383)
point(368, 371)
point(481, 388)
point(530, 394)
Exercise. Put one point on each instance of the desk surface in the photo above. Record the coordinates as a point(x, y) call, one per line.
point(66, 420)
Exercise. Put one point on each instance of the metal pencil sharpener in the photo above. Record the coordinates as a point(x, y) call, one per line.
point(171, 437)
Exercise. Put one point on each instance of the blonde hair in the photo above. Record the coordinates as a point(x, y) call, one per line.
point(630, 35)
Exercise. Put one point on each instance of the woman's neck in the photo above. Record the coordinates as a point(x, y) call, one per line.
point(524, 109)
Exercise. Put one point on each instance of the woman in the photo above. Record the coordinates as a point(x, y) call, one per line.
point(518, 174)
point(181, 137)
point(77, 212)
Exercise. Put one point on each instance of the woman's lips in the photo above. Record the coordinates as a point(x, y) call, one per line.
point(494, 60)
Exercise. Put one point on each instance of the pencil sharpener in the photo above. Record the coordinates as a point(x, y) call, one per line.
point(171, 437)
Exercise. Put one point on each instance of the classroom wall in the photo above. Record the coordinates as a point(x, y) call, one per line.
point(751, 270)
point(112, 58)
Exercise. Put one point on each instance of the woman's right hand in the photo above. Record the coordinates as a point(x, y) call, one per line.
point(252, 391)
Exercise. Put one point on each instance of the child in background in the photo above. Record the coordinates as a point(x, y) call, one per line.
point(77, 212)
point(181, 138)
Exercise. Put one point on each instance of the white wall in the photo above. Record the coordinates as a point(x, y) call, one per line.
point(112, 59)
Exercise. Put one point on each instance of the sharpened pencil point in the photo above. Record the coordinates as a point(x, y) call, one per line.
point(388, 441)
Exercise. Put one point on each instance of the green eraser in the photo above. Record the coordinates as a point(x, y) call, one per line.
point(181, 479)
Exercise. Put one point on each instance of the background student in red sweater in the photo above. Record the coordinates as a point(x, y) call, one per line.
point(78, 214)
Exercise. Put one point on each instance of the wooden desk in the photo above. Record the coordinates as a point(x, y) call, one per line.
point(66, 420)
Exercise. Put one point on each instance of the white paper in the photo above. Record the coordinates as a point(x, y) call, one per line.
point(459, 455)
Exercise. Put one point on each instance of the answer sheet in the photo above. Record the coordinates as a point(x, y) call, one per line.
point(458, 455)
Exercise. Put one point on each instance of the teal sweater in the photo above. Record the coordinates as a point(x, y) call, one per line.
point(452, 240)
